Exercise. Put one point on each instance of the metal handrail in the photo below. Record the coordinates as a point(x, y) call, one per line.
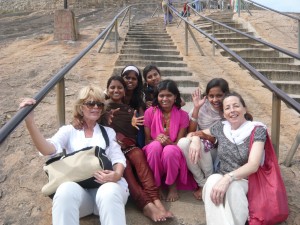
point(283, 14)
point(294, 104)
point(278, 94)
point(284, 51)
point(21, 114)
point(58, 78)
point(273, 10)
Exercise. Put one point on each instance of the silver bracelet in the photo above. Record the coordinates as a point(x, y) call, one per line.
point(193, 119)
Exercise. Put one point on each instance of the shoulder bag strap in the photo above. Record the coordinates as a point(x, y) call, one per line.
point(104, 133)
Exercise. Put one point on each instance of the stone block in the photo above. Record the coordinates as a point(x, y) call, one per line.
point(65, 25)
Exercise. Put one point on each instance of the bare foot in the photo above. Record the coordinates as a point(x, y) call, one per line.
point(173, 194)
point(154, 213)
point(160, 206)
point(198, 194)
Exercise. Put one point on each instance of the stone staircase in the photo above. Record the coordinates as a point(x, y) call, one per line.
point(280, 70)
point(149, 43)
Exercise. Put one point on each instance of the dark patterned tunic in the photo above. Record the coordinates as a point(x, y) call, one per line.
point(233, 156)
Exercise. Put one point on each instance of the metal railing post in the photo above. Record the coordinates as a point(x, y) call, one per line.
point(186, 38)
point(167, 15)
point(116, 36)
point(213, 44)
point(124, 17)
point(129, 16)
point(60, 102)
point(105, 38)
point(65, 4)
point(195, 40)
point(292, 151)
point(275, 132)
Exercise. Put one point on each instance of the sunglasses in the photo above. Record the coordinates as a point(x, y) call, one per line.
point(92, 104)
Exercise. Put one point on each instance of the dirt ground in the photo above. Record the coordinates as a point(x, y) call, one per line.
point(29, 58)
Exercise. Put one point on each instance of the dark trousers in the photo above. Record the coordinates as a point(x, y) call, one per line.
point(140, 178)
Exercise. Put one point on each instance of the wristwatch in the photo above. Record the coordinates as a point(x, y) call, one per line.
point(232, 177)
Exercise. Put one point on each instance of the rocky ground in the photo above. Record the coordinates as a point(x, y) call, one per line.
point(29, 58)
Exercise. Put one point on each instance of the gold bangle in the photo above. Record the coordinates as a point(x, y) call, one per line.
point(193, 119)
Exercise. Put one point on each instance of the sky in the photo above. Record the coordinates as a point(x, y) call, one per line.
point(281, 5)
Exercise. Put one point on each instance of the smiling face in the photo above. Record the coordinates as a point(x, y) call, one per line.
point(153, 78)
point(131, 80)
point(92, 109)
point(215, 97)
point(234, 111)
point(116, 91)
point(166, 100)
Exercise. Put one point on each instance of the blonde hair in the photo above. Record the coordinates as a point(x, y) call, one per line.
point(88, 92)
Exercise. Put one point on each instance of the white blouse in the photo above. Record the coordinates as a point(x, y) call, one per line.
point(71, 139)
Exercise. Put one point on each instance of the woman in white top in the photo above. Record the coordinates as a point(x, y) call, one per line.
point(225, 192)
point(71, 201)
point(200, 153)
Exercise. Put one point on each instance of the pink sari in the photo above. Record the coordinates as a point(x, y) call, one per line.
point(167, 162)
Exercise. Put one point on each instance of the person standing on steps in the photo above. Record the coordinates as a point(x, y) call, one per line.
point(168, 16)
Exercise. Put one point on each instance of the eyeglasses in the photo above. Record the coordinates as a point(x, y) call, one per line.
point(92, 104)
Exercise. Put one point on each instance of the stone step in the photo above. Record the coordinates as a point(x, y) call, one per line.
point(147, 39)
point(230, 35)
point(185, 93)
point(242, 45)
point(221, 20)
point(269, 59)
point(253, 53)
point(165, 71)
point(295, 97)
point(217, 26)
point(289, 87)
point(143, 63)
point(276, 66)
point(148, 46)
point(281, 75)
point(221, 30)
point(144, 43)
point(149, 34)
point(149, 51)
point(150, 57)
point(241, 39)
point(187, 211)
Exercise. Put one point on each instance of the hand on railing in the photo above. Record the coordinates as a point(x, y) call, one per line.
point(26, 102)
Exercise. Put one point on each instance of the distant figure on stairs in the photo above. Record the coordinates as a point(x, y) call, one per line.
point(168, 16)
point(198, 5)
